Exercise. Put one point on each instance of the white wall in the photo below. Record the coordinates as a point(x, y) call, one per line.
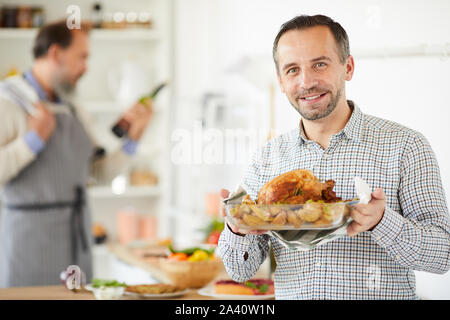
point(212, 35)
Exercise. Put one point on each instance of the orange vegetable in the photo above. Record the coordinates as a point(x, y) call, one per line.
point(178, 256)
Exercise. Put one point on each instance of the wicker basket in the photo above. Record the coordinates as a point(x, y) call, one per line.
point(191, 274)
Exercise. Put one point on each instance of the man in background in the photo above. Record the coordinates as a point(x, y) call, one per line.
point(46, 153)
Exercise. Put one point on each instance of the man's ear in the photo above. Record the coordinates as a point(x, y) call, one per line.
point(54, 53)
point(349, 68)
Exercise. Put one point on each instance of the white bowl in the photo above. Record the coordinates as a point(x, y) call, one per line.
point(108, 293)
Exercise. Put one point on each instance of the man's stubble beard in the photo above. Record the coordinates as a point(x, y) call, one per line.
point(329, 109)
point(63, 88)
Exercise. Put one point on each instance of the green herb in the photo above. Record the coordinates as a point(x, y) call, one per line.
point(97, 283)
point(263, 288)
point(299, 191)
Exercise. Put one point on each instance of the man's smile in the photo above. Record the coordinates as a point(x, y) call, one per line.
point(313, 98)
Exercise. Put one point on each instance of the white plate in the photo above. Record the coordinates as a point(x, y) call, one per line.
point(146, 295)
point(209, 292)
point(154, 296)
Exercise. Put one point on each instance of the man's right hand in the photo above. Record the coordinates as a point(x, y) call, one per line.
point(43, 122)
point(225, 194)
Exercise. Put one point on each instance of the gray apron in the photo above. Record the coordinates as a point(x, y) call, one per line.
point(46, 223)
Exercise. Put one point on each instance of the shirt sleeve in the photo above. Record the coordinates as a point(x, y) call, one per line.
point(419, 236)
point(251, 181)
point(15, 153)
point(130, 147)
point(242, 255)
point(34, 141)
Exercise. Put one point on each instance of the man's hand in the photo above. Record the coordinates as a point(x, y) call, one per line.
point(367, 216)
point(138, 116)
point(43, 122)
point(223, 195)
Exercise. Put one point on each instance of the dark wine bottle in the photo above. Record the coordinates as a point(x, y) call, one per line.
point(122, 126)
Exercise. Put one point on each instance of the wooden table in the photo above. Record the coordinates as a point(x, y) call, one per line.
point(59, 292)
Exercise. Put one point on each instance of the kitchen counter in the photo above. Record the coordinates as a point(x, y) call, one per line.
point(59, 292)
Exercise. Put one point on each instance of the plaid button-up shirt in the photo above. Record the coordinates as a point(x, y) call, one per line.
point(414, 233)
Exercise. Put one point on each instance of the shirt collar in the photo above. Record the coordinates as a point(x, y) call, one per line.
point(354, 127)
point(28, 75)
point(352, 130)
point(302, 136)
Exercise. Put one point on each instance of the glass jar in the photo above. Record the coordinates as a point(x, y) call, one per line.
point(9, 17)
point(37, 17)
point(24, 18)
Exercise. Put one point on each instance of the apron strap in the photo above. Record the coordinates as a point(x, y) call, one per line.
point(77, 217)
point(77, 230)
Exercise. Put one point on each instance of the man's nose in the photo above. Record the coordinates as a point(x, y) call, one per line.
point(307, 79)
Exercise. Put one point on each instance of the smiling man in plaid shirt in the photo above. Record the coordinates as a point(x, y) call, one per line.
point(404, 227)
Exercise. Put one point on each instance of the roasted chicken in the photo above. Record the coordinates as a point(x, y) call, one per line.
point(296, 187)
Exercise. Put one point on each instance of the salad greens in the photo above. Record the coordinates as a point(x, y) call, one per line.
point(190, 251)
point(97, 283)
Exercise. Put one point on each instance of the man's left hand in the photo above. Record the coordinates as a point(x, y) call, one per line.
point(139, 116)
point(367, 216)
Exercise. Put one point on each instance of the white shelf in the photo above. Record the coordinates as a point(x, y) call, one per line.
point(16, 33)
point(112, 107)
point(125, 34)
point(96, 34)
point(413, 50)
point(131, 191)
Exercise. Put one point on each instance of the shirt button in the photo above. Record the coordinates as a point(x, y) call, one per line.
point(318, 264)
point(378, 237)
point(397, 257)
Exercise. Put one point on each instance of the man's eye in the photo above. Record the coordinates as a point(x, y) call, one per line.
point(292, 70)
point(320, 65)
